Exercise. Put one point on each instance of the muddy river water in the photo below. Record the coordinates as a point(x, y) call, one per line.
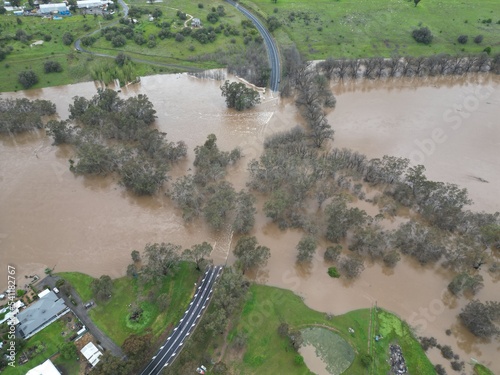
point(50, 218)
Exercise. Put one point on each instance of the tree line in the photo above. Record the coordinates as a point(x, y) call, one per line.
point(409, 66)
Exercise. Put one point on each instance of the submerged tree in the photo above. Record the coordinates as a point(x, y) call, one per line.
point(250, 254)
point(198, 254)
point(238, 96)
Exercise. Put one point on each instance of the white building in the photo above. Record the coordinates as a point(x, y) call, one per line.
point(49, 8)
point(46, 368)
point(91, 3)
point(92, 354)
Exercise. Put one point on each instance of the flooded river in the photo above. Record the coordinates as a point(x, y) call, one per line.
point(50, 218)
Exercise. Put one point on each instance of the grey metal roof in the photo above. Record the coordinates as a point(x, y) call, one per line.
point(39, 313)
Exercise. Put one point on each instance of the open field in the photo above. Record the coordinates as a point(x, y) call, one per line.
point(24, 56)
point(169, 50)
point(80, 282)
point(364, 28)
point(112, 316)
point(268, 353)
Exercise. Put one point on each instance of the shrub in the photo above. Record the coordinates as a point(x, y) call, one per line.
point(67, 38)
point(299, 360)
point(332, 271)
point(200, 5)
point(88, 40)
point(366, 360)
point(121, 59)
point(422, 35)
point(487, 50)
point(212, 17)
point(52, 67)
point(118, 41)
point(179, 37)
point(478, 39)
point(47, 37)
point(27, 78)
point(462, 39)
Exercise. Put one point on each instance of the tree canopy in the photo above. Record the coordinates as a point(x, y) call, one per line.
point(238, 96)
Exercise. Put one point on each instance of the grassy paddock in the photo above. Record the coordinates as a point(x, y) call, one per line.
point(268, 353)
point(365, 28)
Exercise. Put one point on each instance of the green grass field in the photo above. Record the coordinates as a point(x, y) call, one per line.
point(112, 316)
point(364, 28)
point(482, 370)
point(80, 282)
point(51, 338)
point(168, 50)
point(268, 353)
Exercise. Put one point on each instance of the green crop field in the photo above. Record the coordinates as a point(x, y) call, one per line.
point(365, 28)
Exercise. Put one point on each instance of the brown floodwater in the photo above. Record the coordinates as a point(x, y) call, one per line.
point(50, 218)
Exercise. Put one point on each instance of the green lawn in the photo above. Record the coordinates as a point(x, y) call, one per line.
point(51, 338)
point(112, 316)
point(363, 28)
point(268, 353)
point(68, 367)
point(482, 370)
point(80, 282)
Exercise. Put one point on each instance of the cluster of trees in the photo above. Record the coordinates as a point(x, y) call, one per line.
point(20, 115)
point(408, 66)
point(291, 172)
point(207, 194)
point(112, 135)
point(238, 96)
point(228, 298)
point(250, 254)
point(102, 288)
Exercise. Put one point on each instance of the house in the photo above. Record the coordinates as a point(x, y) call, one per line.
point(11, 312)
point(92, 354)
point(49, 8)
point(196, 22)
point(46, 368)
point(40, 314)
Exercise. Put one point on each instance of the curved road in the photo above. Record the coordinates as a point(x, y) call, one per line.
point(272, 49)
point(173, 345)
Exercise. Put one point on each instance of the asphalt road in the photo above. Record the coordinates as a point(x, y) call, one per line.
point(173, 345)
point(272, 49)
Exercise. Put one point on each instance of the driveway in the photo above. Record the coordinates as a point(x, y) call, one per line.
point(80, 311)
